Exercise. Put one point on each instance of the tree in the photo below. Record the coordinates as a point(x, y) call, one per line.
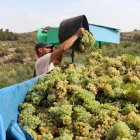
point(7, 35)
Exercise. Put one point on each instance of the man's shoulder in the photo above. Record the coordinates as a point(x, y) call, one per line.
point(44, 57)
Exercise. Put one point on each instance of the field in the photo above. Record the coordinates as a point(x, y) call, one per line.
point(17, 59)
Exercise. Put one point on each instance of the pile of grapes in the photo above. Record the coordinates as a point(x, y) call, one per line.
point(100, 101)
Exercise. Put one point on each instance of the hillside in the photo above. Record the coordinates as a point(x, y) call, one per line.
point(17, 58)
point(130, 36)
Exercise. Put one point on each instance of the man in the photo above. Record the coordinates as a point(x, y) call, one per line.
point(47, 58)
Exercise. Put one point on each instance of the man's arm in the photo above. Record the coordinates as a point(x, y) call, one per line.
point(58, 53)
point(58, 61)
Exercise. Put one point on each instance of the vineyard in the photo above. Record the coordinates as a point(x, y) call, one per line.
point(98, 101)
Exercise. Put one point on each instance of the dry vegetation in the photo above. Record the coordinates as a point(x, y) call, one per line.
point(17, 59)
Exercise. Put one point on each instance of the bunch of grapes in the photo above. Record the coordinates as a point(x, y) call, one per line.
point(81, 129)
point(119, 130)
point(61, 114)
point(80, 114)
point(87, 42)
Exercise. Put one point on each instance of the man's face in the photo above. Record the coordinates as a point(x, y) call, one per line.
point(46, 50)
point(43, 51)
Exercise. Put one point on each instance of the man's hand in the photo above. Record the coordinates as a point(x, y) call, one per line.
point(81, 32)
point(58, 53)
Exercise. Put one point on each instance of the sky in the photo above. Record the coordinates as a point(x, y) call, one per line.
point(29, 15)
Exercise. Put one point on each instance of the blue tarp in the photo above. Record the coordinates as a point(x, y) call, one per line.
point(2, 132)
point(10, 98)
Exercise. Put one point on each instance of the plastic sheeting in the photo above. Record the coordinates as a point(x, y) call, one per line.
point(16, 132)
point(10, 98)
point(2, 132)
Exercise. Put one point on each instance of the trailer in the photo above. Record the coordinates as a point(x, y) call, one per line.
point(10, 98)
